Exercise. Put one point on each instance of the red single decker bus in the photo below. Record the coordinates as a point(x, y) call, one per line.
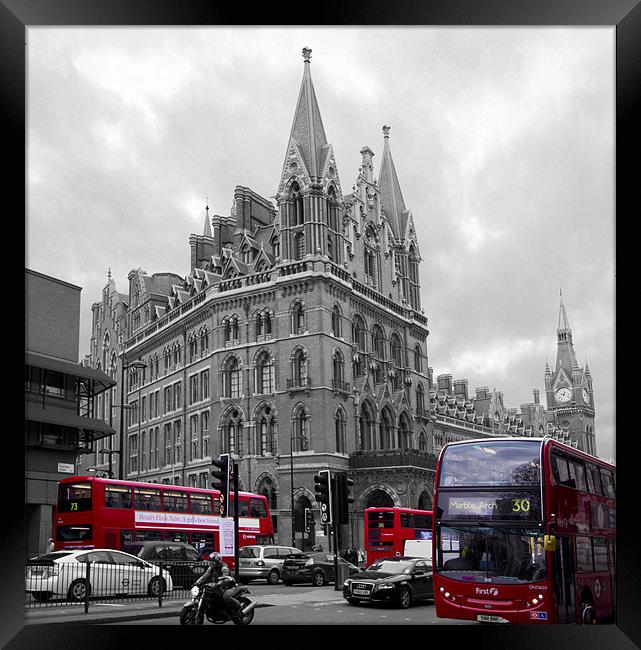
point(388, 529)
point(524, 532)
point(107, 513)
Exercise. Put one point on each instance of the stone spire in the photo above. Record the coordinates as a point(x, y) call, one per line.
point(390, 189)
point(207, 229)
point(307, 128)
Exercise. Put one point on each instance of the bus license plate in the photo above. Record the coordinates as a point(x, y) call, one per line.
point(485, 618)
point(360, 592)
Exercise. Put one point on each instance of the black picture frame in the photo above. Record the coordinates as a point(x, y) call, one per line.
point(622, 15)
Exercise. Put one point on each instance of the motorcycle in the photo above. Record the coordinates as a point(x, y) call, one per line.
point(206, 601)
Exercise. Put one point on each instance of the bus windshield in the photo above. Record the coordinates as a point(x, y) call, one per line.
point(485, 554)
point(495, 463)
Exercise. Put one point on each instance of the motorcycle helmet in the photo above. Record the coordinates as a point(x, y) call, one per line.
point(214, 559)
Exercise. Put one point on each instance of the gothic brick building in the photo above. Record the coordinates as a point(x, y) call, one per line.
point(296, 343)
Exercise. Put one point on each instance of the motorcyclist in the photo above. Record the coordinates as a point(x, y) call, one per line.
point(218, 573)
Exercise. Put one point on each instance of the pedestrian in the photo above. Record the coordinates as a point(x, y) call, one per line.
point(360, 554)
point(50, 546)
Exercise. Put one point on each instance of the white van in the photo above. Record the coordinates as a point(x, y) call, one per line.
point(418, 548)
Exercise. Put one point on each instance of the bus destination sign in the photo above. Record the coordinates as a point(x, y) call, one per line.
point(510, 506)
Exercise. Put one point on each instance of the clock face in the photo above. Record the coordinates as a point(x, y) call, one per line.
point(563, 395)
point(586, 396)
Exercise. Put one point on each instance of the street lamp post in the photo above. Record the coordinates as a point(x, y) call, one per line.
point(291, 476)
point(138, 365)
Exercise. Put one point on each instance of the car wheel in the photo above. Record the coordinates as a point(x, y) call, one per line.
point(42, 596)
point(404, 597)
point(156, 585)
point(318, 580)
point(272, 578)
point(79, 590)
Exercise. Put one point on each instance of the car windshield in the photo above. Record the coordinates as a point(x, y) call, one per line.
point(391, 566)
point(249, 551)
point(486, 554)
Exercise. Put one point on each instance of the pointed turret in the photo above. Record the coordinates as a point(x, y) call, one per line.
point(308, 132)
point(207, 229)
point(564, 333)
point(390, 188)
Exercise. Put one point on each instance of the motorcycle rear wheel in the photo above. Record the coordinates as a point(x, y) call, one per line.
point(189, 616)
point(246, 619)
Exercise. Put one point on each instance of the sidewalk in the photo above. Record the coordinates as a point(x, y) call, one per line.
point(132, 610)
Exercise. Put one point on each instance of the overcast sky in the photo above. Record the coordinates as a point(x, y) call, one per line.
point(502, 139)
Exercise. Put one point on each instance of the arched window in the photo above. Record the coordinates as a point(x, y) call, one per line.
point(404, 439)
point(267, 323)
point(367, 424)
point(358, 332)
point(418, 359)
point(298, 215)
point(420, 400)
point(371, 257)
point(422, 441)
point(232, 431)
point(232, 377)
point(386, 431)
point(299, 246)
point(265, 373)
point(227, 330)
point(336, 321)
point(413, 278)
point(298, 319)
point(378, 345)
point(259, 325)
point(397, 360)
point(299, 369)
point(338, 362)
point(267, 432)
point(340, 422)
point(301, 429)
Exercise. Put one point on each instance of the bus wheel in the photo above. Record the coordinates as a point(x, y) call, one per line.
point(588, 615)
point(78, 590)
point(404, 597)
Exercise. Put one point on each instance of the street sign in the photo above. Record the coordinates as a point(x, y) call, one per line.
point(66, 468)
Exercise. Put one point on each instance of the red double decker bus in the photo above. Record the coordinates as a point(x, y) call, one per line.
point(107, 513)
point(387, 530)
point(524, 532)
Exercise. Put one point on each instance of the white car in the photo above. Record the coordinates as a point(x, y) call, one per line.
point(111, 573)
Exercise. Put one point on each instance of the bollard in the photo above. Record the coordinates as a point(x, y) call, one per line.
point(87, 583)
point(160, 586)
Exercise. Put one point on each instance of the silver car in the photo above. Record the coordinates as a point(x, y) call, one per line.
point(262, 562)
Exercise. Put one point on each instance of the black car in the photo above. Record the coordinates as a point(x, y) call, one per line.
point(180, 559)
point(401, 580)
point(317, 568)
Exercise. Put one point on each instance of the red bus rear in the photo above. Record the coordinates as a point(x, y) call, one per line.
point(524, 532)
point(96, 512)
point(387, 530)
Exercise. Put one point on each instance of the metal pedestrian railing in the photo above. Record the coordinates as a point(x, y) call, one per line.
point(58, 584)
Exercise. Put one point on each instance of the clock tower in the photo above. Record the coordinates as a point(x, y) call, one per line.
point(568, 391)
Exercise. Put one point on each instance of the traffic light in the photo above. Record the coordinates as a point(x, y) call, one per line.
point(323, 492)
point(309, 520)
point(222, 476)
point(344, 497)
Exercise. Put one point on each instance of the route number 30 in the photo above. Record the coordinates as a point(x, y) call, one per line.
point(520, 505)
